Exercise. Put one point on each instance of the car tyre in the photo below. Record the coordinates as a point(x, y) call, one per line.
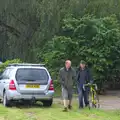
point(6, 102)
point(47, 103)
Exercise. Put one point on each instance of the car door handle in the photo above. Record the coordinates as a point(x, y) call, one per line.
point(3, 82)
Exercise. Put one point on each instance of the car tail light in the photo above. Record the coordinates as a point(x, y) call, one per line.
point(12, 85)
point(51, 85)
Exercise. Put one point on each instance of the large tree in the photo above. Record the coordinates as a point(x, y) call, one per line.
point(27, 25)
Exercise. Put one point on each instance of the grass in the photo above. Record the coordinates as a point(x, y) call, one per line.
point(55, 113)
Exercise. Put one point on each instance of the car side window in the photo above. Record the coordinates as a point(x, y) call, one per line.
point(1, 77)
point(9, 73)
point(5, 74)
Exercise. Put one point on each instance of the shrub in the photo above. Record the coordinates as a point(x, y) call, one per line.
point(5, 64)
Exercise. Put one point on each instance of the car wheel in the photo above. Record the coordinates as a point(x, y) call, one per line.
point(47, 103)
point(6, 102)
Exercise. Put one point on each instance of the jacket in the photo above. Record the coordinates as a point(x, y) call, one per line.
point(87, 77)
point(67, 78)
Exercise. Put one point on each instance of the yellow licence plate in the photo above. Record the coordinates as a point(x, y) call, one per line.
point(32, 86)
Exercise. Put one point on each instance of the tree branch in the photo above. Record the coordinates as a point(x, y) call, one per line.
point(18, 19)
point(10, 29)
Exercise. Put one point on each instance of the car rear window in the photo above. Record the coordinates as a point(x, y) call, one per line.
point(30, 74)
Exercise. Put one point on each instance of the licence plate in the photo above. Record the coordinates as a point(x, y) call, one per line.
point(32, 86)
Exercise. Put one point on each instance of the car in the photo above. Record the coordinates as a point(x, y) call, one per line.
point(26, 82)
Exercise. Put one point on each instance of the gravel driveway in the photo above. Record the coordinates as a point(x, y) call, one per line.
point(110, 101)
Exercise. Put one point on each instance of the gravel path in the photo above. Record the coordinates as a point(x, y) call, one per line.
point(110, 101)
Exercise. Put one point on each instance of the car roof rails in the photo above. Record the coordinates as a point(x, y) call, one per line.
point(26, 64)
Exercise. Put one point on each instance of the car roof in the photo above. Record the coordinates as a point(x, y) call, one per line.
point(26, 65)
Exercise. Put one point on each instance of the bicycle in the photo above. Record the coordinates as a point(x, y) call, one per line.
point(93, 95)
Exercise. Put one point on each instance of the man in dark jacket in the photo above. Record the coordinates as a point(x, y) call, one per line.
point(67, 76)
point(83, 77)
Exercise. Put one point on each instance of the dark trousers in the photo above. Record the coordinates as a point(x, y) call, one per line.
point(83, 95)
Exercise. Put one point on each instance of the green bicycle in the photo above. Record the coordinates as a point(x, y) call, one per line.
point(93, 96)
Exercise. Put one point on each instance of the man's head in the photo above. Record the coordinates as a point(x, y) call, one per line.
point(82, 64)
point(67, 64)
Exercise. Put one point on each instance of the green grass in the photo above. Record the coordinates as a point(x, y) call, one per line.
point(57, 92)
point(55, 113)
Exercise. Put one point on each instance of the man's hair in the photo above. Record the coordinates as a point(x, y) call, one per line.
point(82, 62)
point(67, 61)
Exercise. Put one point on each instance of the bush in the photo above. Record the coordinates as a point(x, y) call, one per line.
point(5, 64)
point(95, 40)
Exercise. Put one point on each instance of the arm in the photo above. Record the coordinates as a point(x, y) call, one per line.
point(60, 78)
point(74, 77)
point(77, 77)
point(74, 74)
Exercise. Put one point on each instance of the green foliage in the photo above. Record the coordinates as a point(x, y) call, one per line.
point(5, 64)
point(92, 39)
point(26, 26)
point(56, 30)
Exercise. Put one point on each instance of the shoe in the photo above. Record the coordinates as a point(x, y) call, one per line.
point(69, 107)
point(80, 107)
point(87, 105)
point(65, 110)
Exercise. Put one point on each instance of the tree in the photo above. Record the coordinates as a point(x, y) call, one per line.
point(89, 38)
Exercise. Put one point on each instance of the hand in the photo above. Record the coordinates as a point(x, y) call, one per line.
point(64, 86)
point(89, 83)
point(84, 87)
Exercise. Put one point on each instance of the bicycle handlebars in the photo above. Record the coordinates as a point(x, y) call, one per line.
point(90, 85)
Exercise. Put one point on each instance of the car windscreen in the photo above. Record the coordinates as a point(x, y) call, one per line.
point(31, 74)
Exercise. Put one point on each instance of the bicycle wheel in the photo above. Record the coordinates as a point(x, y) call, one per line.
point(96, 100)
point(90, 100)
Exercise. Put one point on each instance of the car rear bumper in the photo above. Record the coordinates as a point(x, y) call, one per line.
point(14, 95)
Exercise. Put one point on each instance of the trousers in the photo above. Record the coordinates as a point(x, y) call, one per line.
point(83, 97)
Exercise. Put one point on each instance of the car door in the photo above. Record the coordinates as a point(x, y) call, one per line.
point(1, 82)
point(4, 80)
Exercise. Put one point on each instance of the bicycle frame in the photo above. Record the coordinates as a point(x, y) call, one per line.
point(93, 92)
point(93, 88)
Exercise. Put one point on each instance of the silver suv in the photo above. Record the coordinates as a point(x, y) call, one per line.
point(26, 82)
